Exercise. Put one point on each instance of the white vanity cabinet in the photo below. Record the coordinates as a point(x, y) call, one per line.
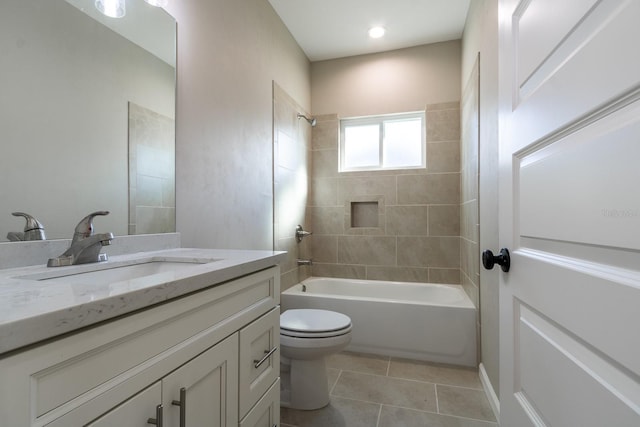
point(266, 413)
point(203, 392)
point(259, 359)
point(138, 407)
point(194, 355)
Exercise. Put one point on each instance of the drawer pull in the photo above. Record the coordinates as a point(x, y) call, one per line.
point(267, 354)
point(157, 421)
point(182, 403)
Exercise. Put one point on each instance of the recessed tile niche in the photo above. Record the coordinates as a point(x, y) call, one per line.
point(364, 214)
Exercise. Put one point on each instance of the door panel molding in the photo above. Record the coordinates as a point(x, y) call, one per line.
point(583, 181)
point(584, 375)
point(618, 261)
point(555, 102)
point(568, 28)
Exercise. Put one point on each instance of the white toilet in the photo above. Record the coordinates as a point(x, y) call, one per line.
point(306, 337)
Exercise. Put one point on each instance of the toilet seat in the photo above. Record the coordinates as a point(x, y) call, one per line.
point(313, 323)
point(307, 336)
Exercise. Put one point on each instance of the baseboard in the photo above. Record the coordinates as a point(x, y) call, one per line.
point(491, 394)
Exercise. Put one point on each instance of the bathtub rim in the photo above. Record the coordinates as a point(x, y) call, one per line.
point(466, 302)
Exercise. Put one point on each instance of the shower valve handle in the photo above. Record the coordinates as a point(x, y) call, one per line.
point(300, 233)
point(503, 260)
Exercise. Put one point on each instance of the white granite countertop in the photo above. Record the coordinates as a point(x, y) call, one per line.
point(33, 309)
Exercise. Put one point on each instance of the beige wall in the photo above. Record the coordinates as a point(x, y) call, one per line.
point(417, 234)
point(390, 82)
point(481, 36)
point(229, 52)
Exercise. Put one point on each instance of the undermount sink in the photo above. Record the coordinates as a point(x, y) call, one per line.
point(111, 272)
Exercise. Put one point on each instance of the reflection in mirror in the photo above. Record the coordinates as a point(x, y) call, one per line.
point(67, 81)
point(152, 194)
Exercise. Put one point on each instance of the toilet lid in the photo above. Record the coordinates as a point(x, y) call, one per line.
point(312, 321)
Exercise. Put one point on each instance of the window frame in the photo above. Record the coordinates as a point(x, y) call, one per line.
point(380, 120)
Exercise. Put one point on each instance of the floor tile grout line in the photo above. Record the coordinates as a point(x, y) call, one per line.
point(428, 412)
point(335, 382)
point(381, 404)
point(384, 376)
point(379, 415)
point(422, 410)
point(368, 401)
point(409, 379)
point(384, 404)
point(435, 389)
point(458, 386)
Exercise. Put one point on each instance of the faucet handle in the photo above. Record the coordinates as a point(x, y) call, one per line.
point(300, 233)
point(33, 229)
point(84, 228)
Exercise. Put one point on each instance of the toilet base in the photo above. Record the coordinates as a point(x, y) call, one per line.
point(305, 385)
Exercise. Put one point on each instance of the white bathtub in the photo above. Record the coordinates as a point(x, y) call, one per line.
point(421, 321)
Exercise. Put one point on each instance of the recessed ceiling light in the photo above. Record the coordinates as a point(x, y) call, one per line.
point(377, 32)
point(157, 3)
point(111, 8)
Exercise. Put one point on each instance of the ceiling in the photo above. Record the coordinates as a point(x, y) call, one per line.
point(329, 29)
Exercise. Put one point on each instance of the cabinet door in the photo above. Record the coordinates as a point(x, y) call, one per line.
point(266, 413)
point(259, 358)
point(209, 385)
point(134, 412)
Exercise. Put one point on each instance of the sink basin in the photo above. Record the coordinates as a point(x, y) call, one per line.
point(111, 272)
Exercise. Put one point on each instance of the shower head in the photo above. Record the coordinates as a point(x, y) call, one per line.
point(312, 120)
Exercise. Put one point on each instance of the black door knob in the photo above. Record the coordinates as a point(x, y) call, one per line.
point(503, 260)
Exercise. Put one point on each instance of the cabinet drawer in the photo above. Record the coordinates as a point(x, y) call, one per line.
point(266, 413)
point(259, 358)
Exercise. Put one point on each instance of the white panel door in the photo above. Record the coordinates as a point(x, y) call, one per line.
point(570, 213)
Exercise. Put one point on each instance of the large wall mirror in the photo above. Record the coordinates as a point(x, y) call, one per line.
point(87, 110)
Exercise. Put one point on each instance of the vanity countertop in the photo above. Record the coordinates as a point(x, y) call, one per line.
point(35, 310)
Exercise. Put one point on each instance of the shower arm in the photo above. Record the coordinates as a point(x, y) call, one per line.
point(311, 120)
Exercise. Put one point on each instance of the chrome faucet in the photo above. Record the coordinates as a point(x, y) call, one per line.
point(85, 246)
point(33, 229)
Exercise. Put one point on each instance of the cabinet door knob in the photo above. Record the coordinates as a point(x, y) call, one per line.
point(157, 421)
point(267, 354)
point(503, 260)
point(182, 403)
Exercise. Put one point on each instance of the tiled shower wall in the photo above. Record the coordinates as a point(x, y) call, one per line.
point(413, 234)
point(292, 160)
point(469, 218)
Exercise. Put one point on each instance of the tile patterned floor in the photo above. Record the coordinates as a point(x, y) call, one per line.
point(376, 391)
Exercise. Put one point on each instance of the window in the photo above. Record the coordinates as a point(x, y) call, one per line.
point(394, 141)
